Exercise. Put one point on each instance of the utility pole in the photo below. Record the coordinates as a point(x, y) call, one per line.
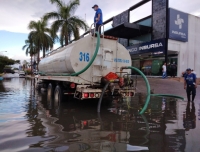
point(167, 31)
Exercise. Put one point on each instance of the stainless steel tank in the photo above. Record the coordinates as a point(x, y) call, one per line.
point(74, 57)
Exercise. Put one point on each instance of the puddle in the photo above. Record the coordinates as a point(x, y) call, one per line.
point(30, 122)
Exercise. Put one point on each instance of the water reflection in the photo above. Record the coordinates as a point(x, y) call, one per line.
point(119, 129)
point(20, 128)
point(31, 122)
point(189, 118)
point(80, 128)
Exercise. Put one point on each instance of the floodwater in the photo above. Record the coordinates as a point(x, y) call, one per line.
point(30, 122)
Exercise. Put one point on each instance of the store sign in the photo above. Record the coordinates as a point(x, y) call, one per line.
point(153, 46)
point(178, 25)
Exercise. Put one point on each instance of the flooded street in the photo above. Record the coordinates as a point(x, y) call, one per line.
point(30, 122)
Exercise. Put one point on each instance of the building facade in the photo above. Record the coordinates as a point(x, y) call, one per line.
point(188, 53)
point(166, 35)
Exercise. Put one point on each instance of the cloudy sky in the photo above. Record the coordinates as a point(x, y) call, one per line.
point(16, 14)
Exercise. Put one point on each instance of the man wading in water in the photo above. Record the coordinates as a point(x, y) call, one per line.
point(190, 84)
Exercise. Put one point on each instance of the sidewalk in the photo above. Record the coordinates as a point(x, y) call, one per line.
point(180, 79)
point(166, 86)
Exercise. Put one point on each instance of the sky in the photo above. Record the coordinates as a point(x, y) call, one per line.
point(15, 16)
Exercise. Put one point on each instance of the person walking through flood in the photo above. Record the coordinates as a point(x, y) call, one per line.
point(173, 69)
point(190, 84)
point(98, 18)
point(164, 70)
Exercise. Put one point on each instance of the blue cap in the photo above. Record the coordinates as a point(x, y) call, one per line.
point(188, 69)
point(95, 6)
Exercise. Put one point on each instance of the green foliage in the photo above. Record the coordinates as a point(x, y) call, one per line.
point(39, 39)
point(7, 66)
point(65, 21)
point(17, 61)
point(29, 47)
point(4, 60)
point(28, 71)
point(40, 36)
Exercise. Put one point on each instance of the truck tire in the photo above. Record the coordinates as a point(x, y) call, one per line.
point(50, 90)
point(58, 96)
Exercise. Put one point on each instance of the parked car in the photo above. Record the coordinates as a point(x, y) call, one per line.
point(35, 72)
point(8, 70)
point(22, 73)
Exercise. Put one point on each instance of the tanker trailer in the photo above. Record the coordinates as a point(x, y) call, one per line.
point(82, 68)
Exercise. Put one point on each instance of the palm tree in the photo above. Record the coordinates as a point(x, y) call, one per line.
point(65, 20)
point(30, 49)
point(40, 35)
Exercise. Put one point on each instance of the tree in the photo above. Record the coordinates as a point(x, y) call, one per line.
point(31, 49)
point(4, 60)
point(40, 36)
point(65, 20)
point(17, 61)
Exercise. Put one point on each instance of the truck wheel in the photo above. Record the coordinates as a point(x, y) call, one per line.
point(50, 90)
point(58, 95)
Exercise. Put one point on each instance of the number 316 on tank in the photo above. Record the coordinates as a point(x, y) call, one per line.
point(84, 57)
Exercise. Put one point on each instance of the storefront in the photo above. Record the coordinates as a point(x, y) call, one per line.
point(150, 56)
point(153, 66)
point(149, 53)
point(165, 35)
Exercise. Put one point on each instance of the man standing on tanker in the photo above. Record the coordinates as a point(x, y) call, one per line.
point(190, 84)
point(98, 18)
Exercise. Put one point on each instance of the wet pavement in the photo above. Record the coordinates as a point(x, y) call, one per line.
point(31, 122)
point(166, 86)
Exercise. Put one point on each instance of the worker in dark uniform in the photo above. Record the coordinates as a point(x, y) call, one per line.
point(34, 64)
point(98, 18)
point(173, 69)
point(190, 84)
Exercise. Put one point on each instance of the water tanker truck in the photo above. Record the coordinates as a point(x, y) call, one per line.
point(87, 69)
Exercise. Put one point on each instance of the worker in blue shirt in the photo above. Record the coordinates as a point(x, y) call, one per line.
point(190, 84)
point(98, 18)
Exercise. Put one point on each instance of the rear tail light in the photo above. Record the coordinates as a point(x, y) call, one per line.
point(124, 94)
point(84, 123)
point(127, 94)
point(97, 95)
point(131, 94)
point(86, 95)
point(92, 95)
point(72, 85)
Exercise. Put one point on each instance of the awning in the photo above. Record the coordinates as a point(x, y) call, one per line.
point(128, 30)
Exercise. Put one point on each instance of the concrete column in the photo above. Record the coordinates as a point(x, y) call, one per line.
point(191, 40)
point(197, 47)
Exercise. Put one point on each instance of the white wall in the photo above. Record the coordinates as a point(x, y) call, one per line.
point(189, 52)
